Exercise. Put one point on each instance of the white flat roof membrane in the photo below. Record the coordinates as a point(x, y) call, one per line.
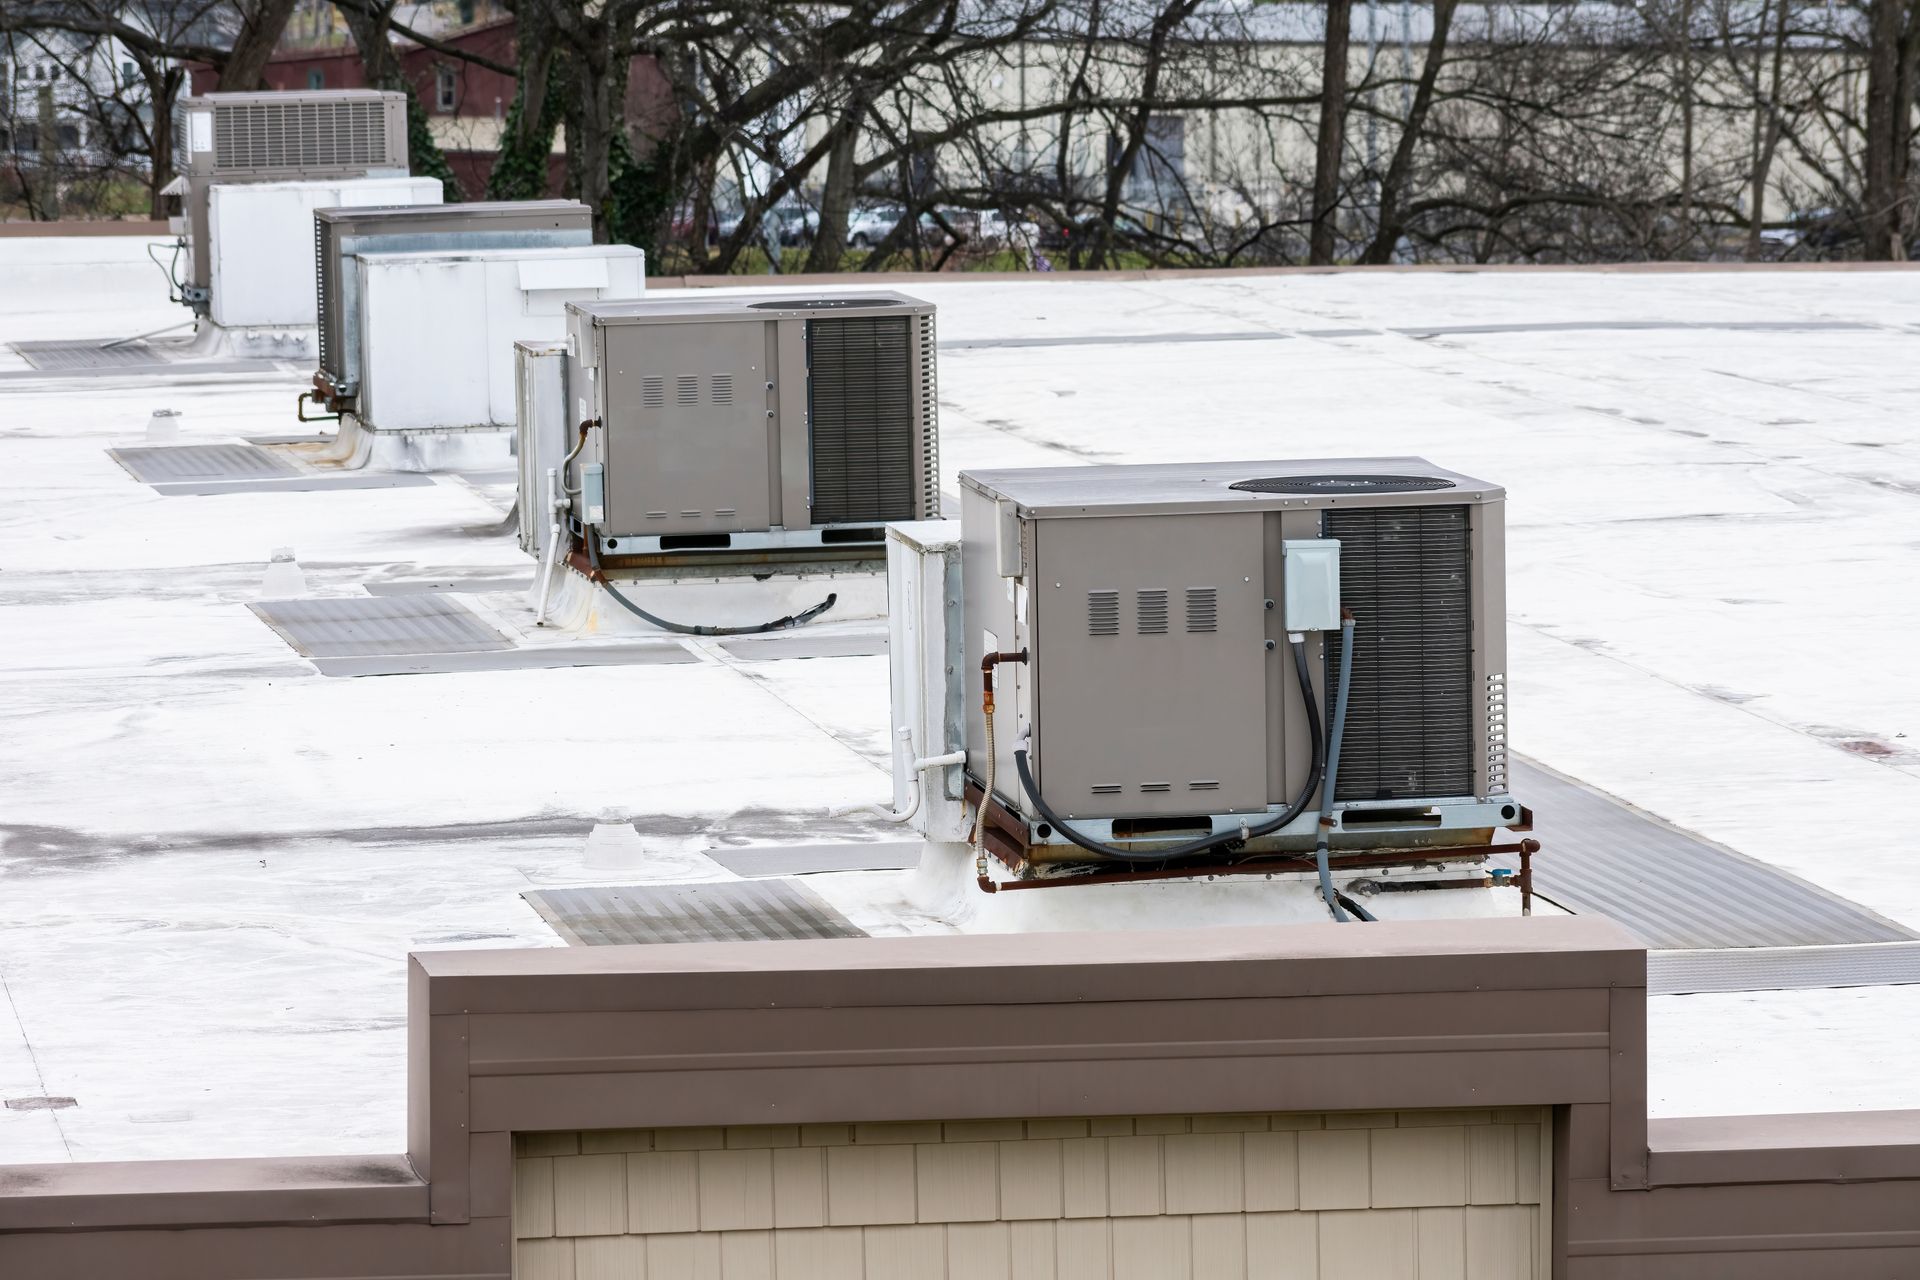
point(215, 858)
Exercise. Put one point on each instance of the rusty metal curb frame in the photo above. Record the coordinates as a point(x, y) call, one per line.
point(1445, 1014)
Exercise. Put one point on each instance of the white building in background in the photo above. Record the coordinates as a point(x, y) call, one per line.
point(88, 84)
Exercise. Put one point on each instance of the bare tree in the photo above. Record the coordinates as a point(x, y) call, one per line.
point(1331, 150)
point(371, 23)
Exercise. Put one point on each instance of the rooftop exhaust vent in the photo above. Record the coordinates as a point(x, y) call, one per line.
point(1342, 484)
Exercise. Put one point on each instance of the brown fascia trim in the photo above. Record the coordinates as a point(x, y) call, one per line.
point(103, 227)
point(1855, 1146)
point(150, 1193)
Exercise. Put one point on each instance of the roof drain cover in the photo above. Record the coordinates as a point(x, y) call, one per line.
point(1342, 484)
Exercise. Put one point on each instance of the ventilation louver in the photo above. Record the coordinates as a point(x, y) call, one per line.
point(300, 135)
point(1410, 708)
point(861, 413)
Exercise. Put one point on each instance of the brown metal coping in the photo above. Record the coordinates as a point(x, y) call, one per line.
point(1464, 1013)
point(1845, 1146)
point(168, 1192)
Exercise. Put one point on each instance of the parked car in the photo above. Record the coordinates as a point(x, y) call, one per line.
point(798, 223)
point(868, 225)
point(1064, 235)
point(871, 224)
point(1821, 228)
point(992, 228)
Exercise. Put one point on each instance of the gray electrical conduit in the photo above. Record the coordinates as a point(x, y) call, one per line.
point(1335, 732)
point(1205, 843)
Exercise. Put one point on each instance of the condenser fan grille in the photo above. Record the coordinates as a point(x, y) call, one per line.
point(860, 408)
point(1404, 571)
point(1342, 484)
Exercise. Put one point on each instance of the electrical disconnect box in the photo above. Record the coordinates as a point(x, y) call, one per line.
point(1151, 691)
point(222, 138)
point(342, 236)
point(753, 424)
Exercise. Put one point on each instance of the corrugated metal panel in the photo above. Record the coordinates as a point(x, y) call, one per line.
point(860, 411)
point(723, 911)
point(188, 462)
point(1670, 889)
point(929, 421)
point(1409, 728)
point(358, 626)
point(1880, 964)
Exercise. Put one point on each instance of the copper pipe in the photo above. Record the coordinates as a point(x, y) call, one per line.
point(1527, 849)
point(987, 664)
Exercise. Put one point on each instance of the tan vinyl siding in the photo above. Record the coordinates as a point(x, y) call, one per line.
point(1414, 1195)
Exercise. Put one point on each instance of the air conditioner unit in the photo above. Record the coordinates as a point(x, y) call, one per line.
point(262, 246)
point(753, 425)
point(436, 331)
point(269, 137)
point(1169, 650)
point(341, 235)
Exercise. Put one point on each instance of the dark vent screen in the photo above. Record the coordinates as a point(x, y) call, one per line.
point(1404, 571)
point(1343, 484)
point(301, 135)
point(860, 406)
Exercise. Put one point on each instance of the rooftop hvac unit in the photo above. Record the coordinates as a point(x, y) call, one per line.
point(340, 235)
point(262, 245)
point(1166, 647)
point(751, 424)
point(436, 331)
point(268, 137)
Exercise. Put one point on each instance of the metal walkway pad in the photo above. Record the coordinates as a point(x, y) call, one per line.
point(1877, 964)
point(802, 645)
point(532, 658)
point(189, 463)
point(811, 859)
point(382, 626)
point(1670, 889)
point(723, 911)
point(89, 353)
point(200, 469)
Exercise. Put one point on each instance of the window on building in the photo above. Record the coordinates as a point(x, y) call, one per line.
point(317, 78)
point(466, 13)
point(443, 84)
point(1161, 160)
point(128, 73)
point(69, 135)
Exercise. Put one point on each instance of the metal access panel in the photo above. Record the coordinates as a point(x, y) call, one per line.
point(275, 136)
point(340, 234)
point(689, 443)
point(1150, 665)
point(542, 435)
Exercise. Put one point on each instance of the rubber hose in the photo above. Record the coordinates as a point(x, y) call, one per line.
point(1334, 734)
point(1204, 843)
point(778, 624)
